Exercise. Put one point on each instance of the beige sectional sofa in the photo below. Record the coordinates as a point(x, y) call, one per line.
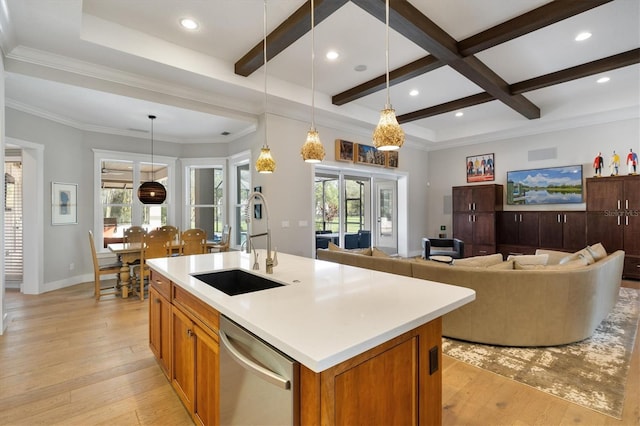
point(534, 305)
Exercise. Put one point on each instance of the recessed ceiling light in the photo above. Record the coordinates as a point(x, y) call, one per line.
point(583, 36)
point(332, 55)
point(603, 79)
point(459, 114)
point(414, 92)
point(189, 23)
point(360, 68)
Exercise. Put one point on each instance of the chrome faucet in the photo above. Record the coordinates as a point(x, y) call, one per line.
point(269, 261)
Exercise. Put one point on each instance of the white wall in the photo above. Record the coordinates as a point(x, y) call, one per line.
point(3, 315)
point(573, 146)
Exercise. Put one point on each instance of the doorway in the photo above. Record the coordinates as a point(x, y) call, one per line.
point(387, 216)
point(13, 243)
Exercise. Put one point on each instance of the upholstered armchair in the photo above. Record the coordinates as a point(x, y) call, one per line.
point(442, 247)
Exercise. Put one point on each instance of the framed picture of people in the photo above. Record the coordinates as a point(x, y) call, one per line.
point(480, 168)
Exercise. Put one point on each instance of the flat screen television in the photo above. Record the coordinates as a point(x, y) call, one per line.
point(552, 185)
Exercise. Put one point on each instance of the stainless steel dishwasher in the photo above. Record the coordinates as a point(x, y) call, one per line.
point(258, 383)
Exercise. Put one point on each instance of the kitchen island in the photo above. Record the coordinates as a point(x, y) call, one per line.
point(361, 337)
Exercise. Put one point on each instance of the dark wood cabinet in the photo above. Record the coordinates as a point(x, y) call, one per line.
point(613, 217)
point(474, 217)
point(562, 230)
point(518, 228)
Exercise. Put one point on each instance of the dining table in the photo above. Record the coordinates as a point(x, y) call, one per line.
point(129, 253)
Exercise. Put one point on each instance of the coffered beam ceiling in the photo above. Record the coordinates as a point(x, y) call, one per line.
point(443, 49)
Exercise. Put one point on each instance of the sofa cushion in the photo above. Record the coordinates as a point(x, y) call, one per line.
point(554, 255)
point(507, 264)
point(530, 259)
point(479, 261)
point(364, 251)
point(597, 251)
point(579, 262)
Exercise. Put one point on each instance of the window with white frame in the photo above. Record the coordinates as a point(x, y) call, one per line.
point(205, 200)
point(118, 175)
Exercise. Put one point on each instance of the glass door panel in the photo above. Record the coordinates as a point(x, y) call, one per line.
point(387, 213)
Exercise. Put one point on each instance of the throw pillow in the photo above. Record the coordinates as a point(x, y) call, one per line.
point(574, 264)
point(597, 251)
point(584, 253)
point(530, 259)
point(376, 252)
point(479, 261)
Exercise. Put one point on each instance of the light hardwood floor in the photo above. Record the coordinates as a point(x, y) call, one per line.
point(70, 360)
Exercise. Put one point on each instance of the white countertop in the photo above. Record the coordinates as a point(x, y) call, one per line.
point(327, 312)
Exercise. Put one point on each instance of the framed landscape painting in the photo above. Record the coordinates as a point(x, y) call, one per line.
point(367, 154)
point(480, 168)
point(552, 185)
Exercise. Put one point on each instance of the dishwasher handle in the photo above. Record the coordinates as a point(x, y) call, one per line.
point(259, 370)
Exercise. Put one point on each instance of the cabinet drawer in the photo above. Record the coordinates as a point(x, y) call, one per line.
point(161, 284)
point(197, 308)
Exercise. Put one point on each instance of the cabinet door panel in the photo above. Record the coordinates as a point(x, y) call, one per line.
point(206, 404)
point(183, 375)
point(632, 194)
point(604, 229)
point(462, 198)
point(507, 227)
point(528, 229)
point(604, 194)
point(484, 198)
point(574, 230)
point(160, 329)
point(550, 229)
point(632, 234)
point(463, 227)
point(484, 229)
point(382, 390)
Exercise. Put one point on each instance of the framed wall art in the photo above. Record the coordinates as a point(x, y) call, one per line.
point(367, 154)
point(552, 185)
point(344, 150)
point(392, 159)
point(480, 168)
point(64, 203)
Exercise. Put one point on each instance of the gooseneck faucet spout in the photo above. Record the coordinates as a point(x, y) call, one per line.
point(252, 198)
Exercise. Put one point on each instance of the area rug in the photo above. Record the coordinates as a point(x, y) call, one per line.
point(591, 373)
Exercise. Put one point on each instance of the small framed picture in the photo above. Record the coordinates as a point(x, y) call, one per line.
point(480, 168)
point(392, 159)
point(344, 150)
point(64, 203)
point(367, 154)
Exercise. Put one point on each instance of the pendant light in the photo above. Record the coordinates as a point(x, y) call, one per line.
point(265, 162)
point(152, 192)
point(388, 135)
point(312, 151)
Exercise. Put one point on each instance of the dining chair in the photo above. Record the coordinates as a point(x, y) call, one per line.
point(223, 245)
point(193, 241)
point(134, 234)
point(173, 231)
point(100, 270)
point(156, 243)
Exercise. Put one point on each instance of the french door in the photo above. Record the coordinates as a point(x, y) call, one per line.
point(387, 215)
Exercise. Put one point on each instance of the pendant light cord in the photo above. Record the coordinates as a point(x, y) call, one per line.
point(387, 52)
point(152, 117)
point(264, 33)
point(313, 58)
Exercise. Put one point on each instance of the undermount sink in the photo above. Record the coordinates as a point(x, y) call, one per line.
point(236, 281)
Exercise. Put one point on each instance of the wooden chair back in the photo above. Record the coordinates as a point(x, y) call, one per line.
point(173, 231)
point(134, 234)
point(155, 243)
point(193, 241)
point(99, 270)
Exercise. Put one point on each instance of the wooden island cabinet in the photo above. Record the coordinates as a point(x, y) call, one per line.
point(396, 382)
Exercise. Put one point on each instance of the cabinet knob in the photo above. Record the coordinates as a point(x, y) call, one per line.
point(189, 332)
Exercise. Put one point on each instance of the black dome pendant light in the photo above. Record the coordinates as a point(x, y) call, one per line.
point(152, 192)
